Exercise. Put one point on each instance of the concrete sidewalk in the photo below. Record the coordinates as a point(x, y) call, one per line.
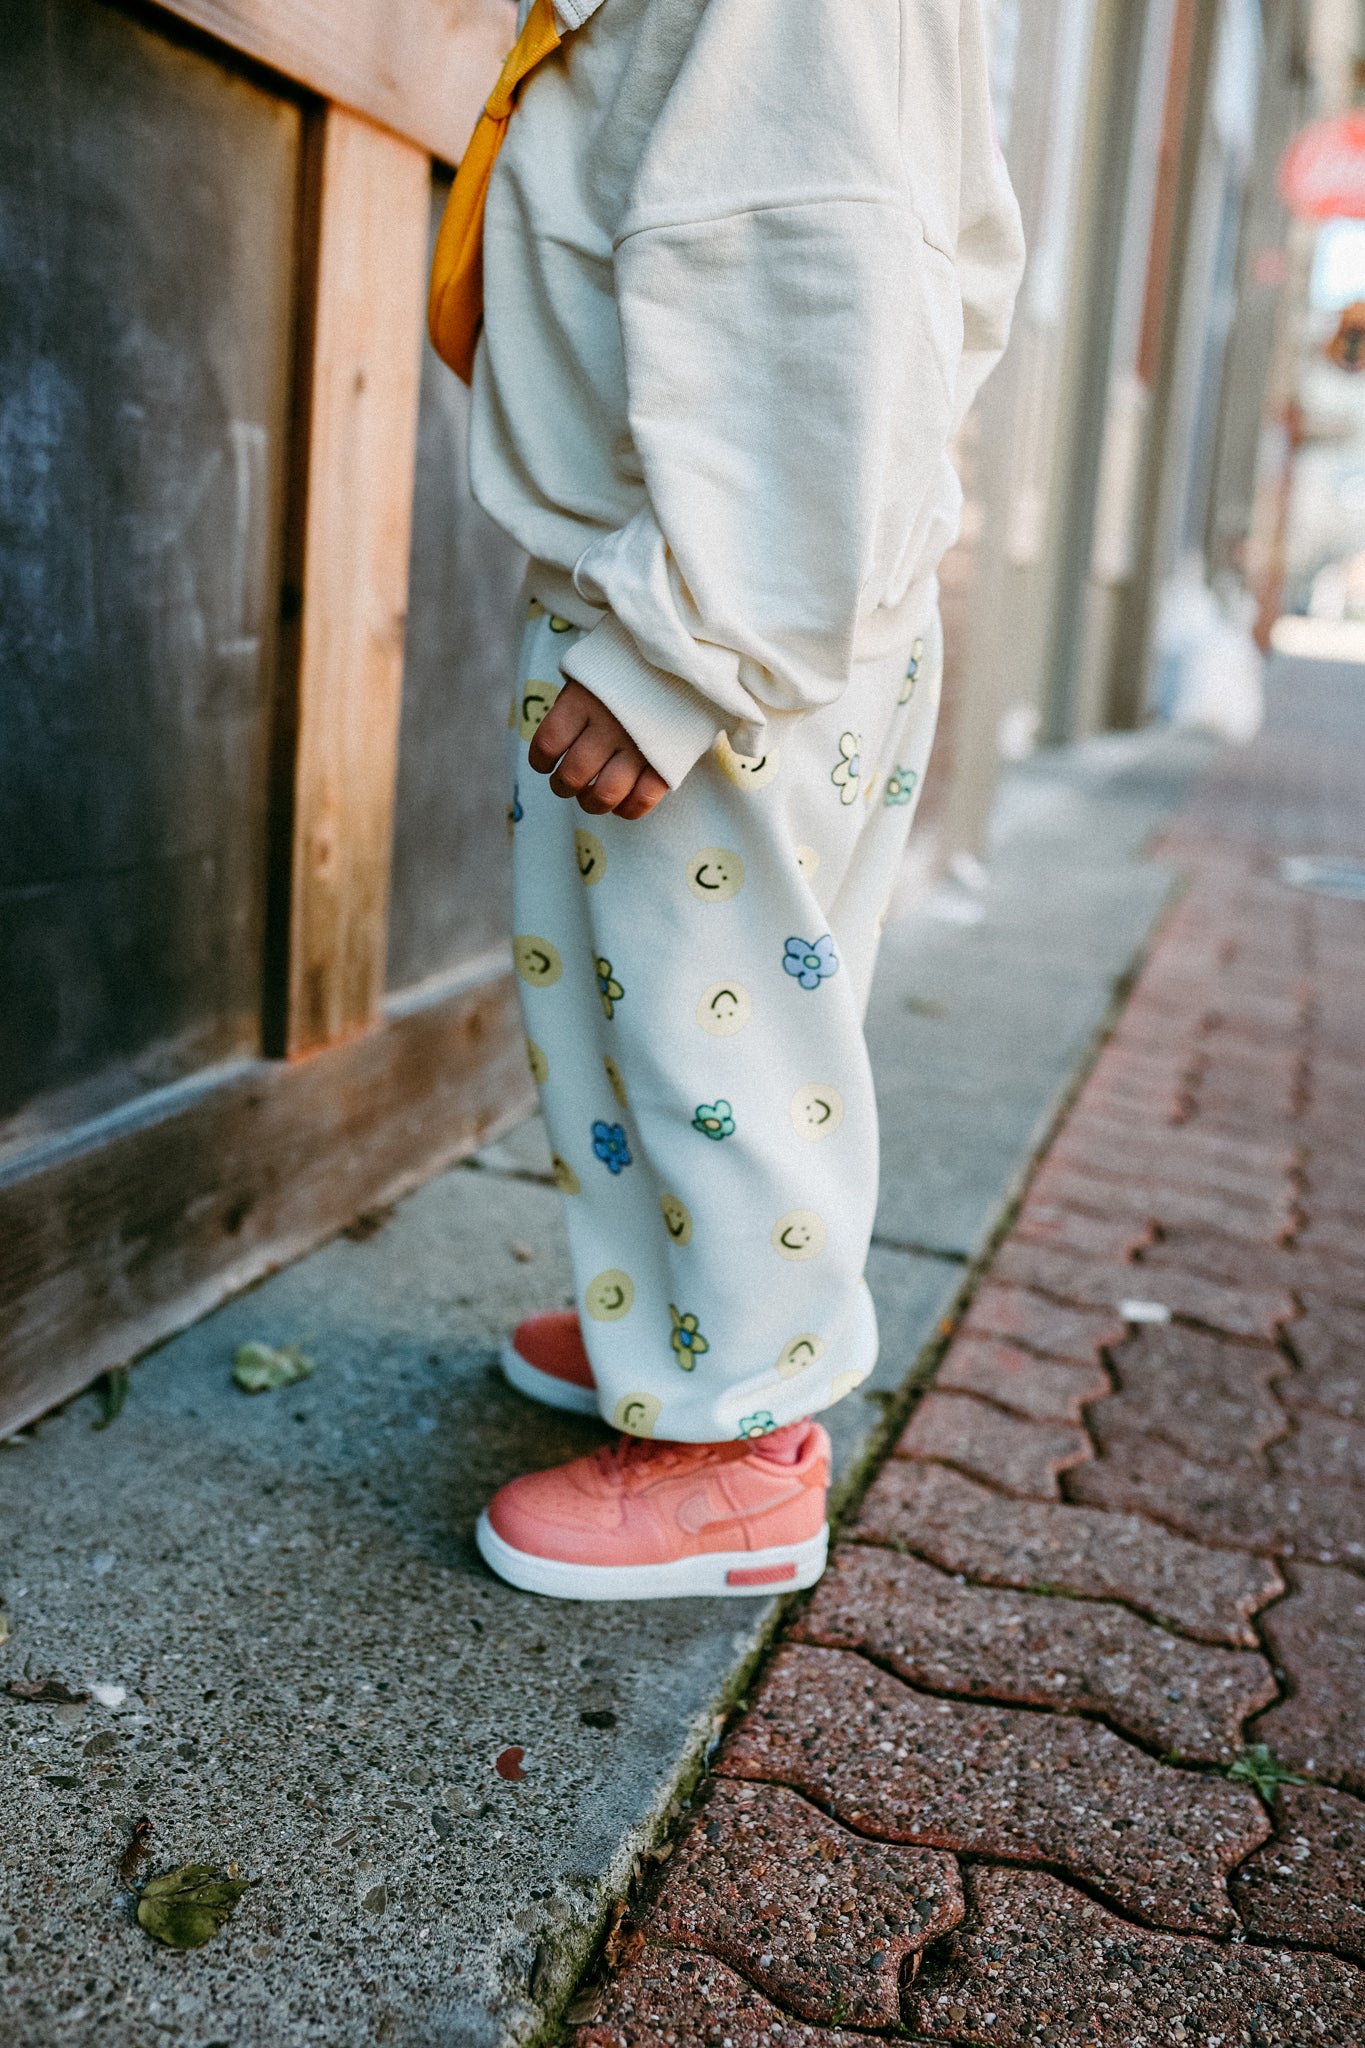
point(295, 1661)
point(1068, 1747)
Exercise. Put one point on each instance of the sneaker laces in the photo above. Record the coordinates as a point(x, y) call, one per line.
point(634, 1458)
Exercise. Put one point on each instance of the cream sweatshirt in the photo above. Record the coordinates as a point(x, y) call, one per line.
point(747, 264)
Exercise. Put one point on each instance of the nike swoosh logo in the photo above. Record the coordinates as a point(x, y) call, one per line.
point(699, 1511)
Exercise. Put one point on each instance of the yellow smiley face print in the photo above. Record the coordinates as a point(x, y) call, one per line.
point(536, 699)
point(808, 860)
point(537, 1062)
point(636, 1414)
point(566, 1180)
point(537, 961)
point(590, 855)
point(677, 1219)
point(844, 1383)
point(746, 771)
point(816, 1110)
point(609, 1297)
point(725, 1008)
point(800, 1234)
point(798, 1354)
point(715, 874)
point(614, 1076)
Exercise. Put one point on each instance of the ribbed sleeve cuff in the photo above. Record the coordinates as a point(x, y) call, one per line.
point(671, 723)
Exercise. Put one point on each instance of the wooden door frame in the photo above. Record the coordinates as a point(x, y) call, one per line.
point(117, 1233)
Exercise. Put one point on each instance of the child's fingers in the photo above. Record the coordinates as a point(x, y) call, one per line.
point(560, 727)
point(649, 787)
point(615, 780)
point(587, 757)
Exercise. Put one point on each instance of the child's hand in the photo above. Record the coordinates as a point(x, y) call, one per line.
point(587, 752)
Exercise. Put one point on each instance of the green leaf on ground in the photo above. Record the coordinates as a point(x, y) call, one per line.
point(186, 1907)
point(112, 1388)
point(1257, 1766)
point(259, 1368)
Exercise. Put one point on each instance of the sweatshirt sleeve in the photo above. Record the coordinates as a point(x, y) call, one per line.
point(793, 345)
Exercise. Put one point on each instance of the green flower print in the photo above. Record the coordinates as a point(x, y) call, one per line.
point(714, 1120)
point(912, 672)
point(761, 1424)
point(687, 1340)
point(900, 786)
point(847, 772)
point(608, 987)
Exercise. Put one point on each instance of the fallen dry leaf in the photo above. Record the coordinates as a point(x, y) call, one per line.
point(112, 1388)
point(585, 2006)
point(45, 1692)
point(260, 1368)
point(623, 1940)
point(184, 1908)
point(138, 1850)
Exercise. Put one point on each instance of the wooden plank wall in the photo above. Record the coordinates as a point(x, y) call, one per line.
point(119, 1233)
point(420, 67)
point(161, 1212)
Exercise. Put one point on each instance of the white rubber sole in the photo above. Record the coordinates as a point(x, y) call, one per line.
point(541, 1386)
point(720, 1575)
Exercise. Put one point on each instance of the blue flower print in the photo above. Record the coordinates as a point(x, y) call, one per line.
point(608, 987)
point(714, 1120)
point(900, 786)
point(912, 672)
point(761, 1424)
point(811, 961)
point(609, 1143)
point(687, 1340)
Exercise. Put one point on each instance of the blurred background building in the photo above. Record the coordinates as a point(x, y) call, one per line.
point(256, 642)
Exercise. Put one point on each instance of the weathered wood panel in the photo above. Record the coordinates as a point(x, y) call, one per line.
point(422, 67)
point(148, 196)
point(451, 893)
point(366, 338)
point(134, 1231)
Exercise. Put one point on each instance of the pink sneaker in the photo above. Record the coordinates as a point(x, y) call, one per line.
point(544, 1357)
point(648, 1521)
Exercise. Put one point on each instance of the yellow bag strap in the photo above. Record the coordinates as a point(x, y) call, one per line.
point(455, 304)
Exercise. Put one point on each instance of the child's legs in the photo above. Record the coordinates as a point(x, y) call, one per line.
point(693, 986)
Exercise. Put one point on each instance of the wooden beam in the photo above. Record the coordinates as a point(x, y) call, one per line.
point(421, 67)
point(373, 212)
point(120, 1235)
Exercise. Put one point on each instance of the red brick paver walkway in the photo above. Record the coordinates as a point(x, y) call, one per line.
point(1069, 1746)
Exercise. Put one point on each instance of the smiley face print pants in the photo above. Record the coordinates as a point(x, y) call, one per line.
point(693, 988)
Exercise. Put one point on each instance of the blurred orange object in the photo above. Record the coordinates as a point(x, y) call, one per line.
point(1347, 346)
